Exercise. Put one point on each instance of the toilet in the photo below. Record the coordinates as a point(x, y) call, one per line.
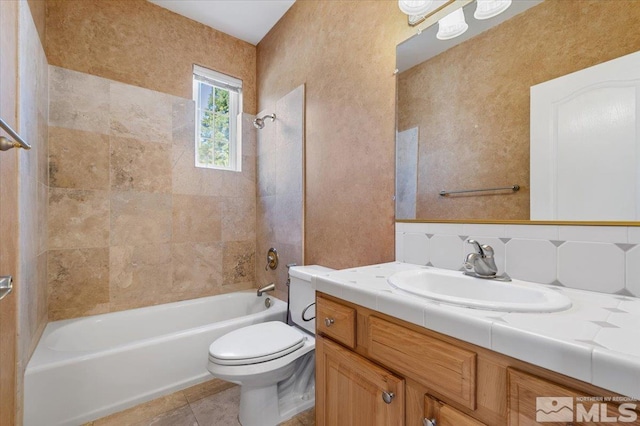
point(273, 362)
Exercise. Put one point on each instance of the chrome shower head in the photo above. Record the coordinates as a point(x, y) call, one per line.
point(258, 123)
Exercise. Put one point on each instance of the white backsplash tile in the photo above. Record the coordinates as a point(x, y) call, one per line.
point(532, 232)
point(482, 230)
point(591, 266)
point(633, 270)
point(416, 248)
point(531, 260)
point(595, 258)
point(633, 235)
point(399, 245)
point(601, 234)
point(446, 251)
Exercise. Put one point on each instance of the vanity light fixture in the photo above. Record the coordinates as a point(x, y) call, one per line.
point(486, 9)
point(452, 25)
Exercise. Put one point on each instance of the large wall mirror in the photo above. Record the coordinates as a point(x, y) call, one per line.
point(466, 120)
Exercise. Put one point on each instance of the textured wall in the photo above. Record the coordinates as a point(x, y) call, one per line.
point(139, 43)
point(345, 54)
point(132, 221)
point(280, 198)
point(471, 103)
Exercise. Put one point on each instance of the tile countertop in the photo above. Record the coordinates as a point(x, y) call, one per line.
point(597, 340)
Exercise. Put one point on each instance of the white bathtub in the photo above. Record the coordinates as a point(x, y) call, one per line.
point(87, 368)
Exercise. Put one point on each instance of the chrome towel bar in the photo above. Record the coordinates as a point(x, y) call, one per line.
point(513, 188)
point(7, 144)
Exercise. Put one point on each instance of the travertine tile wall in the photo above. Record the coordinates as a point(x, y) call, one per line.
point(32, 101)
point(471, 103)
point(279, 188)
point(595, 258)
point(132, 222)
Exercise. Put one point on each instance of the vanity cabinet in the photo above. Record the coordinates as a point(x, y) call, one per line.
point(364, 356)
point(353, 391)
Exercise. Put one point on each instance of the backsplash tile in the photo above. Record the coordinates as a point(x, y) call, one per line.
point(596, 258)
point(591, 266)
point(532, 260)
point(417, 248)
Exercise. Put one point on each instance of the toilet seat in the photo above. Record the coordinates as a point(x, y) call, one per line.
point(256, 343)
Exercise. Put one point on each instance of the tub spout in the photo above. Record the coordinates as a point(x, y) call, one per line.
point(265, 288)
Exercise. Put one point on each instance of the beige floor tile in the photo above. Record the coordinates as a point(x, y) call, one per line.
point(219, 409)
point(182, 416)
point(206, 389)
point(145, 412)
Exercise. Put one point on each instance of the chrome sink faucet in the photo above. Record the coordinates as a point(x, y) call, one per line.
point(481, 263)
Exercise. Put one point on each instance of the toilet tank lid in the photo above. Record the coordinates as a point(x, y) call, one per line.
point(308, 271)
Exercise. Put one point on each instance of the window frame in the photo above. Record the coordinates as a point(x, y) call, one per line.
point(233, 85)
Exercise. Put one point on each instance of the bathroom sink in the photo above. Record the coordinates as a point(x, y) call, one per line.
point(453, 287)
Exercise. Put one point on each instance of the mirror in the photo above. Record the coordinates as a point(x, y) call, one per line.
point(464, 104)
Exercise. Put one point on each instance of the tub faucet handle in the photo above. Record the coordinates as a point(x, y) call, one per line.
point(272, 259)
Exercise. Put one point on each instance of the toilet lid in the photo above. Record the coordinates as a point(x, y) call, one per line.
point(256, 343)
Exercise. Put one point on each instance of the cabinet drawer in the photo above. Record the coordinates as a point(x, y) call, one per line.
point(336, 321)
point(446, 369)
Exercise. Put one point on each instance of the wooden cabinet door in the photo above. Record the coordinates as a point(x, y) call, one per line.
point(350, 389)
point(534, 401)
point(445, 415)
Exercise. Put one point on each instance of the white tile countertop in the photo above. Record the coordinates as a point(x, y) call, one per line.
point(597, 340)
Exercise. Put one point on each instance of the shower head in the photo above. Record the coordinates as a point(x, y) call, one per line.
point(258, 123)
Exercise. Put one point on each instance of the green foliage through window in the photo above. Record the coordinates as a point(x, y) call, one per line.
point(218, 101)
point(213, 148)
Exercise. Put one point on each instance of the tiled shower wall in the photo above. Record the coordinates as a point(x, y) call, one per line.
point(132, 222)
point(596, 258)
point(31, 285)
point(280, 188)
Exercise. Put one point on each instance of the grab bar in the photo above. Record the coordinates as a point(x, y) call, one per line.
point(513, 188)
point(6, 144)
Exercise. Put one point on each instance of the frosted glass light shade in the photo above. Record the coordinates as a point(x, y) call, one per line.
point(452, 25)
point(486, 9)
point(415, 7)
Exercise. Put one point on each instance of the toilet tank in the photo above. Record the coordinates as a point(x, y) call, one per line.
point(301, 294)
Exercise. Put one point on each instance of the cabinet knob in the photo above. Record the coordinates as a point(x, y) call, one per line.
point(428, 422)
point(387, 397)
point(328, 321)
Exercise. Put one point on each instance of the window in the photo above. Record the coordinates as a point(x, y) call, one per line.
point(218, 99)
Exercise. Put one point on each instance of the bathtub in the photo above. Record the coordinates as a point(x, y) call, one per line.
point(87, 368)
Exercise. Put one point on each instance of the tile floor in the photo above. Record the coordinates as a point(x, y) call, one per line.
point(213, 403)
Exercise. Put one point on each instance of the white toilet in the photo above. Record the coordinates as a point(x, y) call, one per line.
point(273, 362)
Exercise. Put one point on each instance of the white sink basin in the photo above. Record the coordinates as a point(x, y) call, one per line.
point(453, 287)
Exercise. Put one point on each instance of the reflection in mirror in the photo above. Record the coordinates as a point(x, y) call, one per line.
point(464, 112)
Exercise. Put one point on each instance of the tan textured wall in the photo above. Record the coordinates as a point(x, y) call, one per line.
point(471, 103)
point(139, 43)
point(344, 51)
point(132, 221)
